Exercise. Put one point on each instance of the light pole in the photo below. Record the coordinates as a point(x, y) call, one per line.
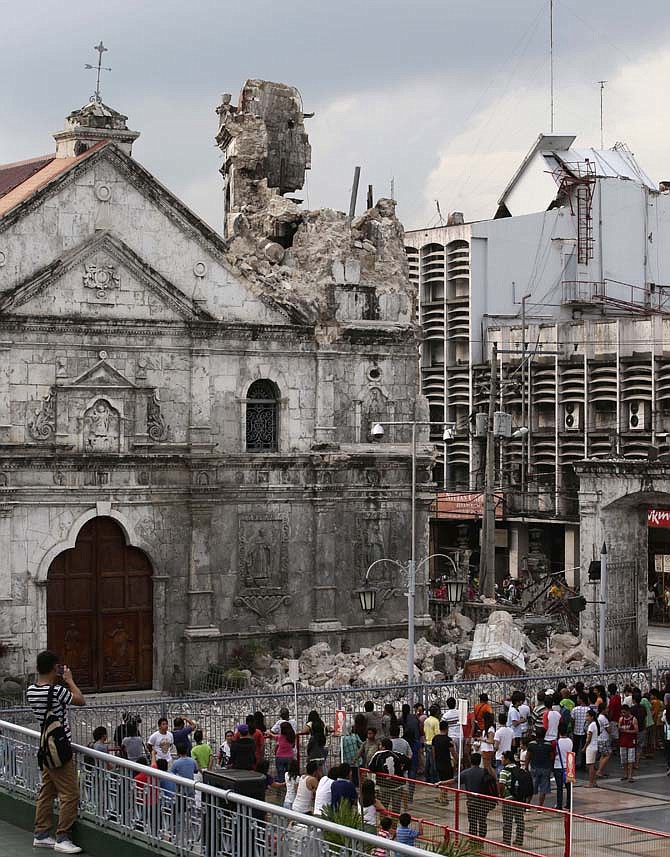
point(377, 432)
point(368, 600)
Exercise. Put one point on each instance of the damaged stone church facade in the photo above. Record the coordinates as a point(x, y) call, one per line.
point(185, 458)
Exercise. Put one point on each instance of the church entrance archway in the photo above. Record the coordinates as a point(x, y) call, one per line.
point(100, 611)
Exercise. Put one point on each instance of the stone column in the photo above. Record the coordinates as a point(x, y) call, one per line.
point(5, 371)
point(200, 429)
point(324, 430)
point(518, 549)
point(324, 595)
point(5, 551)
point(571, 542)
point(201, 633)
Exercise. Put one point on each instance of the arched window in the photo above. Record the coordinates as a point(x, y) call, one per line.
point(262, 423)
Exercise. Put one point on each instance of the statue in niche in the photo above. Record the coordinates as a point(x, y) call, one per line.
point(101, 428)
point(373, 544)
point(260, 560)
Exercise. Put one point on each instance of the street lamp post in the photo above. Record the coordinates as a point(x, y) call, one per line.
point(367, 596)
point(377, 432)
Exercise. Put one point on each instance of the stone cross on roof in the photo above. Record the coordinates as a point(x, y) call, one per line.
point(101, 49)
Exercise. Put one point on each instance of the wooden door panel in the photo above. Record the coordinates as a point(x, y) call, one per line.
point(138, 593)
point(119, 649)
point(73, 638)
point(100, 610)
point(112, 593)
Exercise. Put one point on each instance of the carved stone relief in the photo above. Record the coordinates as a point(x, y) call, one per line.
point(102, 278)
point(102, 428)
point(375, 542)
point(156, 427)
point(43, 423)
point(263, 564)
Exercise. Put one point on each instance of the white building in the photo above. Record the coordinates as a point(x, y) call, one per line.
point(584, 236)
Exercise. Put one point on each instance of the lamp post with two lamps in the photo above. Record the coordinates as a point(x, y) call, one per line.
point(377, 432)
point(368, 598)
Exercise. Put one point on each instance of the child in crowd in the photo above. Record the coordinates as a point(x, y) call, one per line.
point(384, 831)
point(405, 834)
point(291, 778)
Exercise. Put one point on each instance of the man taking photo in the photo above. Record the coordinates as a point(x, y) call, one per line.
point(53, 692)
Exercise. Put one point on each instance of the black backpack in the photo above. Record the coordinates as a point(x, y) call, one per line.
point(521, 785)
point(55, 749)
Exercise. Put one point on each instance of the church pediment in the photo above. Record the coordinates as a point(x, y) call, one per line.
point(99, 376)
point(101, 278)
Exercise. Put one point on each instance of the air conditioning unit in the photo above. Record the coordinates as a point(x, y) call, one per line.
point(572, 416)
point(639, 413)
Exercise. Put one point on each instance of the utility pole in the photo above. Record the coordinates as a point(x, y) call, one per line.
point(524, 447)
point(602, 92)
point(603, 608)
point(551, 63)
point(487, 561)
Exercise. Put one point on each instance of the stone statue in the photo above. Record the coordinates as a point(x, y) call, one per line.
point(259, 561)
point(101, 428)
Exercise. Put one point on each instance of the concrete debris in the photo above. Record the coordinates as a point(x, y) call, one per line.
point(320, 265)
point(386, 663)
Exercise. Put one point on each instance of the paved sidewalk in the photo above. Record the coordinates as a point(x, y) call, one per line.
point(16, 843)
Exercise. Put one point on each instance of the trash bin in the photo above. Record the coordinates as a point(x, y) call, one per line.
point(219, 834)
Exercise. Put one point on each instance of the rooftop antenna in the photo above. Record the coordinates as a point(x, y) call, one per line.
point(101, 49)
point(551, 63)
point(602, 90)
point(439, 212)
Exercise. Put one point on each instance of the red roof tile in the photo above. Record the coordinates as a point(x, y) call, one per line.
point(14, 174)
point(51, 169)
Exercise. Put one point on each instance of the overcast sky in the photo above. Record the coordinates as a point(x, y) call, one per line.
point(443, 96)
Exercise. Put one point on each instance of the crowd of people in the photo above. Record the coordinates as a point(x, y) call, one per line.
point(516, 749)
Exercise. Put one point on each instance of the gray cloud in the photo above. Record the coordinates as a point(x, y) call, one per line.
point(394, 84)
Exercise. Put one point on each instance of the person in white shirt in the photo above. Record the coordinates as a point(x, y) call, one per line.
point(514, 718)
point(604, 741)
point(553, 718)
point(160, 743)
point(502, 740)
point(454, 728)
point(322, 798)
point(591, 746)
point(524, 713)
point(284, 718)
point(563, 747)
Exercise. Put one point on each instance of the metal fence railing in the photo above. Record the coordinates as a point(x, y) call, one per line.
point(216, 713)
point(174, 815)
point(536, 829)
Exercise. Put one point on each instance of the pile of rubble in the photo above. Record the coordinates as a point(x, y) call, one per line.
point(386, 663)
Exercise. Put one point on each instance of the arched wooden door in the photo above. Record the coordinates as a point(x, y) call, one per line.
point(99, 610)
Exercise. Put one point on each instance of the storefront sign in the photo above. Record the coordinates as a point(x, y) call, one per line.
point(469, 504)
point(658, 517)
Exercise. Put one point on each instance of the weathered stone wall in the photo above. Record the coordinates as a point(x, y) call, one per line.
point(130, 334)
point(613, 500)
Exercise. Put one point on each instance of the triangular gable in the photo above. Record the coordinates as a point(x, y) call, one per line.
point(118, 251)
point(169, 204)
point(101, 375)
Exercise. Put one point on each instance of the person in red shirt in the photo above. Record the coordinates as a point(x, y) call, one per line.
point(614, 713)
point(256, 734)
point(628, 729)
point(146, 798)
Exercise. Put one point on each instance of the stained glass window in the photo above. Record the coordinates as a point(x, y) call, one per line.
point(262, 417)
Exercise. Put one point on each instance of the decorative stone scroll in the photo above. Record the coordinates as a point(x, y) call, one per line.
point(156, 426)
point(43, 423)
